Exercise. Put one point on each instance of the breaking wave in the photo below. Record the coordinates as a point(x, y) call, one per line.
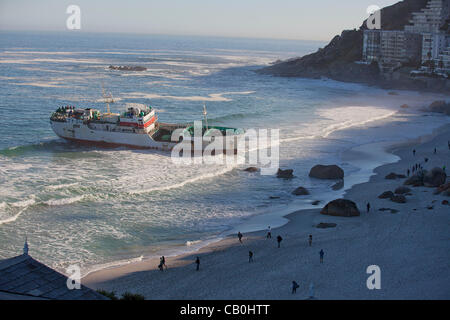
point(63, 201)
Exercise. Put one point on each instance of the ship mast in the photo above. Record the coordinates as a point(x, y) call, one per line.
point(205, 113)
point(108, 99)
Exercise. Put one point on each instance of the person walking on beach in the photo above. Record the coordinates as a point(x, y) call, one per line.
point(269, 233)
point(408, 172)
point(160, 266)
point(250, 256)
point(163, 262)
point(279, 238)
point(414, 152)
point(368, 207)
point(240, 236)
point(321, 253)
point(310, 240)
point(197, 262)
point(294, 287)
point(435, 150)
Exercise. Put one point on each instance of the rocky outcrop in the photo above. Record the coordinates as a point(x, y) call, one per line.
point(285, 174)
point(440, 106)
point(398, 199)
point(434, 178)
point(325, 225)
point(326, 172)
point(402, 190)
point(127, 68)
point(386, 195)
point(251, 169)
point(300, 191)
point(337, 59)
point(315, 202)
point(341, 208)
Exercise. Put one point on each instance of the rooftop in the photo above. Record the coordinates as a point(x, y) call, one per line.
point(23, 277)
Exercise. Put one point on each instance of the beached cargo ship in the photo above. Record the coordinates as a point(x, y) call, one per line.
point(137, 127)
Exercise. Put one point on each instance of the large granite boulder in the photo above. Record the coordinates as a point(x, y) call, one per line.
point(300, 191)
point(285, 174)
point(341, 208)
point(415, 180)
point(326, 172)
point(440, 106)
point(434, 178)
point(386, 195)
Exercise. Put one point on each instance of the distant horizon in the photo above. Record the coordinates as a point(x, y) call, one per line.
point(250, 19)
point(159, 34)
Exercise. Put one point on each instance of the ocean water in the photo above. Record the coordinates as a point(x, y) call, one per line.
point(101, 207)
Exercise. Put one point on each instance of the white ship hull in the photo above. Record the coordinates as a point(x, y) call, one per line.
point(106, 135)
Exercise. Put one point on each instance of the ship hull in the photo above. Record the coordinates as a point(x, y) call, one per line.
point(81, 133)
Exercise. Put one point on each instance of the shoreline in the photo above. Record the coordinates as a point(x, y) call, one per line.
point(115, 278)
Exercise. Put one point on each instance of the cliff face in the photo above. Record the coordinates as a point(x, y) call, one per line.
point(336, 60)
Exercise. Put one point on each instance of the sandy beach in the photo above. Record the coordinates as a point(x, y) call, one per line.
point(411, 247)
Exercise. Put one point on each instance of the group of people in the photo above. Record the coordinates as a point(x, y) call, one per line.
point(162, 261)
point(295, 285)
point(418, 167)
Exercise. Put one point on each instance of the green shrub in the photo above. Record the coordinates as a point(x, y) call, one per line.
point(132, 296)
point(109, 294)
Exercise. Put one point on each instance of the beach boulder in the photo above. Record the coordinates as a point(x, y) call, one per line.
point(402, 190)
point(389, 209)
point(398, 199)
point(326, 172)
point(315, 202)
point(434, 178)
point(285, 174)
point(325, 225)
point(300, 191)
point(442, 188)
point(341, 208)
point(386, 195)
point(393, 176)
point(251, 169)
